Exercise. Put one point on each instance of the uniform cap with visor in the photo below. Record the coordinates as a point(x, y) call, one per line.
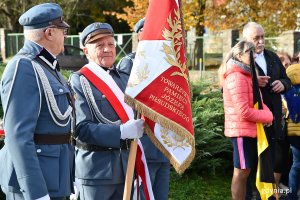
point(43, 15)
point(138, 27)
point(95, 31)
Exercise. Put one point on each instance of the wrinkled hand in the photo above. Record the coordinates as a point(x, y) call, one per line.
point(132, 129)
point(277, 86)
point(77, 184)
point(263, 80)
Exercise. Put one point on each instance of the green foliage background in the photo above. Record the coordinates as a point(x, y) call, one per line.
point(213, 149)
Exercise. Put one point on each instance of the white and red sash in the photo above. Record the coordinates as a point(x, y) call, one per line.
point(105, 83)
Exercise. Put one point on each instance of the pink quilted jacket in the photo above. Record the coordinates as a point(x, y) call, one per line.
point(240, 116)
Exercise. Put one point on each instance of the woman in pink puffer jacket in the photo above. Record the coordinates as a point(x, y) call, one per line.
point(240, 115)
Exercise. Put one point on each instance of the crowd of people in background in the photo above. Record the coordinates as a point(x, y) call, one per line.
point(278, 77)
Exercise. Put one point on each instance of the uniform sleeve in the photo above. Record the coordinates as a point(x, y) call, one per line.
point(87, 129)
point(239, 92)
point(21, 103)
point(125, 64)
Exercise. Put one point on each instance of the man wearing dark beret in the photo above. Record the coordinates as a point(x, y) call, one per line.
point(158, 164)
point(104, 123)
point(37, 158)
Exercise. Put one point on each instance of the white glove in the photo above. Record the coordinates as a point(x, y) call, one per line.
point(132, 129)
point(77, 185)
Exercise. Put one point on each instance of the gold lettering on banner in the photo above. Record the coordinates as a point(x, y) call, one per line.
point(174, 98)
point(175, 90)
point(173, 140)
point(171, 104)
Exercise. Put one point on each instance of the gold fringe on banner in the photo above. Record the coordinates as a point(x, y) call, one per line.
point(168, 124)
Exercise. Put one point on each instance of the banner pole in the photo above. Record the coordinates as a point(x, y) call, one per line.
point(130, 170)
point(130, 165)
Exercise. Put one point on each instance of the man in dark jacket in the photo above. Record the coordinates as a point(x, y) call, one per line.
point(273, 82)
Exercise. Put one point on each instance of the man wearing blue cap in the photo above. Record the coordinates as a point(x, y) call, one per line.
point(125, 64)
point(104, 123)
point(37, 158)
point(158, 164)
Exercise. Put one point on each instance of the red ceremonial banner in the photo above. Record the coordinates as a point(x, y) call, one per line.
point(159, 86)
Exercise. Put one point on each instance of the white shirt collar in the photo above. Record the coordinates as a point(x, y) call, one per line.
point(261, 61)
point(260, 54)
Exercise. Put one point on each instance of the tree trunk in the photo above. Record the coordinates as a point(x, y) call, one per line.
point(199, 44)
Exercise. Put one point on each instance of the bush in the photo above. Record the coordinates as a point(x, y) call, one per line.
point(213, 149)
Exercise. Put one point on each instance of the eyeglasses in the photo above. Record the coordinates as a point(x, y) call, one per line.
point(65, 30)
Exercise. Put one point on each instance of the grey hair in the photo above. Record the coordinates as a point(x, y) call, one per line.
point(34, 35)
point(241, 47)
point(250, 25)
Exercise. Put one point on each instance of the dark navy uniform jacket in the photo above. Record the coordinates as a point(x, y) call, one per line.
point(35, 170)
point(107, 166)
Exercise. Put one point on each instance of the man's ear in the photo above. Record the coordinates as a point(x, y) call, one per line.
point(49, 33)
point(85, 50)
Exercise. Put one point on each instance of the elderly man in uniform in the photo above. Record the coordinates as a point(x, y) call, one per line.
point(102, 131)
point(37, 158)
point(158, 164)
